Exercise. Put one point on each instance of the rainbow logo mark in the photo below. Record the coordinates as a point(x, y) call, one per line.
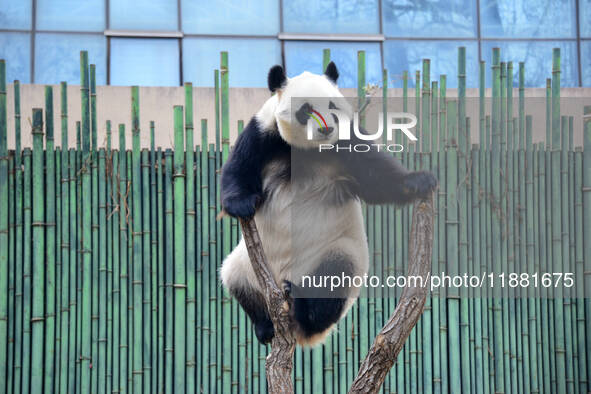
point(313, 115)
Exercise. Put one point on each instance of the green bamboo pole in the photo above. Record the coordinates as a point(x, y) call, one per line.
point(3, 226)
point(111, 231)
point(531, 367)
point(11, 275)
point(586, 218)
point(27, 269)
point(179, 284)
point(427, 355)
point(73, 242)
point(86, 246)
point(480, 183)
point(130, 269)
point(215, 351)
point(463, 143)
point(557, 251)
point(572, 263)
point(452, 232)
point(19, 292)
point(50, 234)
point(169, 278)
point(79, 267)
point(205, 264)
point(565, 264)
point(65, 245)
point(190, 237)
point(514, 159)
point(198, 305)
point(37, 316)
point(496, 221)
point(226, 305)
point(579, 270)
point(325, 58)
point(136, 238)
point(123, 262)
point(94, 250)
point(476, 262)
point(363, 330)
point(154, 234)
point(442, 330)
point(146, 272)
point(115, 222)
point(102, 285)
point(162, 352)
point(436, 300)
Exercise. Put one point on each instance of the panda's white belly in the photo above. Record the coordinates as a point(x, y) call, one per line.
point(299, 226)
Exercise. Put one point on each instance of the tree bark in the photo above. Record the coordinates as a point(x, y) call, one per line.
point(280, 361)
point(391, 338)
point(388, 342)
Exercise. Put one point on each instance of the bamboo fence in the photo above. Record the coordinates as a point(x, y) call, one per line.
point(109, 258)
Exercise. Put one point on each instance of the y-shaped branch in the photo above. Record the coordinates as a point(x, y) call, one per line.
point(390, 340)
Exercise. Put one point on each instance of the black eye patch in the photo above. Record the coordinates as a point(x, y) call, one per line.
point(303, 113)
point(331, 105)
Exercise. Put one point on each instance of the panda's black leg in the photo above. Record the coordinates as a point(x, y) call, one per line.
point(316, 309)
point(254, 305)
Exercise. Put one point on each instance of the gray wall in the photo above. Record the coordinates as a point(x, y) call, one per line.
point(114, 103)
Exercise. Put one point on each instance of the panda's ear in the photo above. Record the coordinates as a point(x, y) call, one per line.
point(276, 79)
point(331, 72)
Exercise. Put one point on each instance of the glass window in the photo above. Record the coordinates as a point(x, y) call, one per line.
point(537, 56)
point(329, 16)
point(407, 18)
point(145, 61)
point(585, 17)
point(15, 48)
point(15, 14)
point(400, 56)
point(57, 57)
point(249, 60)
point(303, 56)
point(143, 15)
point(87, 15)
point(259, 17)
point(586, 62)
point(527, 18)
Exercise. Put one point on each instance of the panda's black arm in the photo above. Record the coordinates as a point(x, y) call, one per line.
point(241, 183)
point(379, 178)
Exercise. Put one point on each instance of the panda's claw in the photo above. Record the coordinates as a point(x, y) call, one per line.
point(287, 287)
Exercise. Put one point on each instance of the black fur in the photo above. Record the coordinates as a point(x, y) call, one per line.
point(276, 78)
point(242, 184)
point(331, 72)
point(316, 309)
point(254, 305)
point(379, 178)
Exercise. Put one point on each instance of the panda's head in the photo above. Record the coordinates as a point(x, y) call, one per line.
point(306, 98)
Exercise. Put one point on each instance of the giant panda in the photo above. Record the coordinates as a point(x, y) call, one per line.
point(309, 218)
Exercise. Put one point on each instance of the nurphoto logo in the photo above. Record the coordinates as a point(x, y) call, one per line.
point(402, 121)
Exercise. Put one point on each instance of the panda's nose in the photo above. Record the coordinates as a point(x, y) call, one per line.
point(325, 131)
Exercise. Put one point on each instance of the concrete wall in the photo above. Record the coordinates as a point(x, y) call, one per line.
point(156, 103)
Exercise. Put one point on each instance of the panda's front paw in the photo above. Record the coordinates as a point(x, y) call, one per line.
point(241, 207)
point(419, 184)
